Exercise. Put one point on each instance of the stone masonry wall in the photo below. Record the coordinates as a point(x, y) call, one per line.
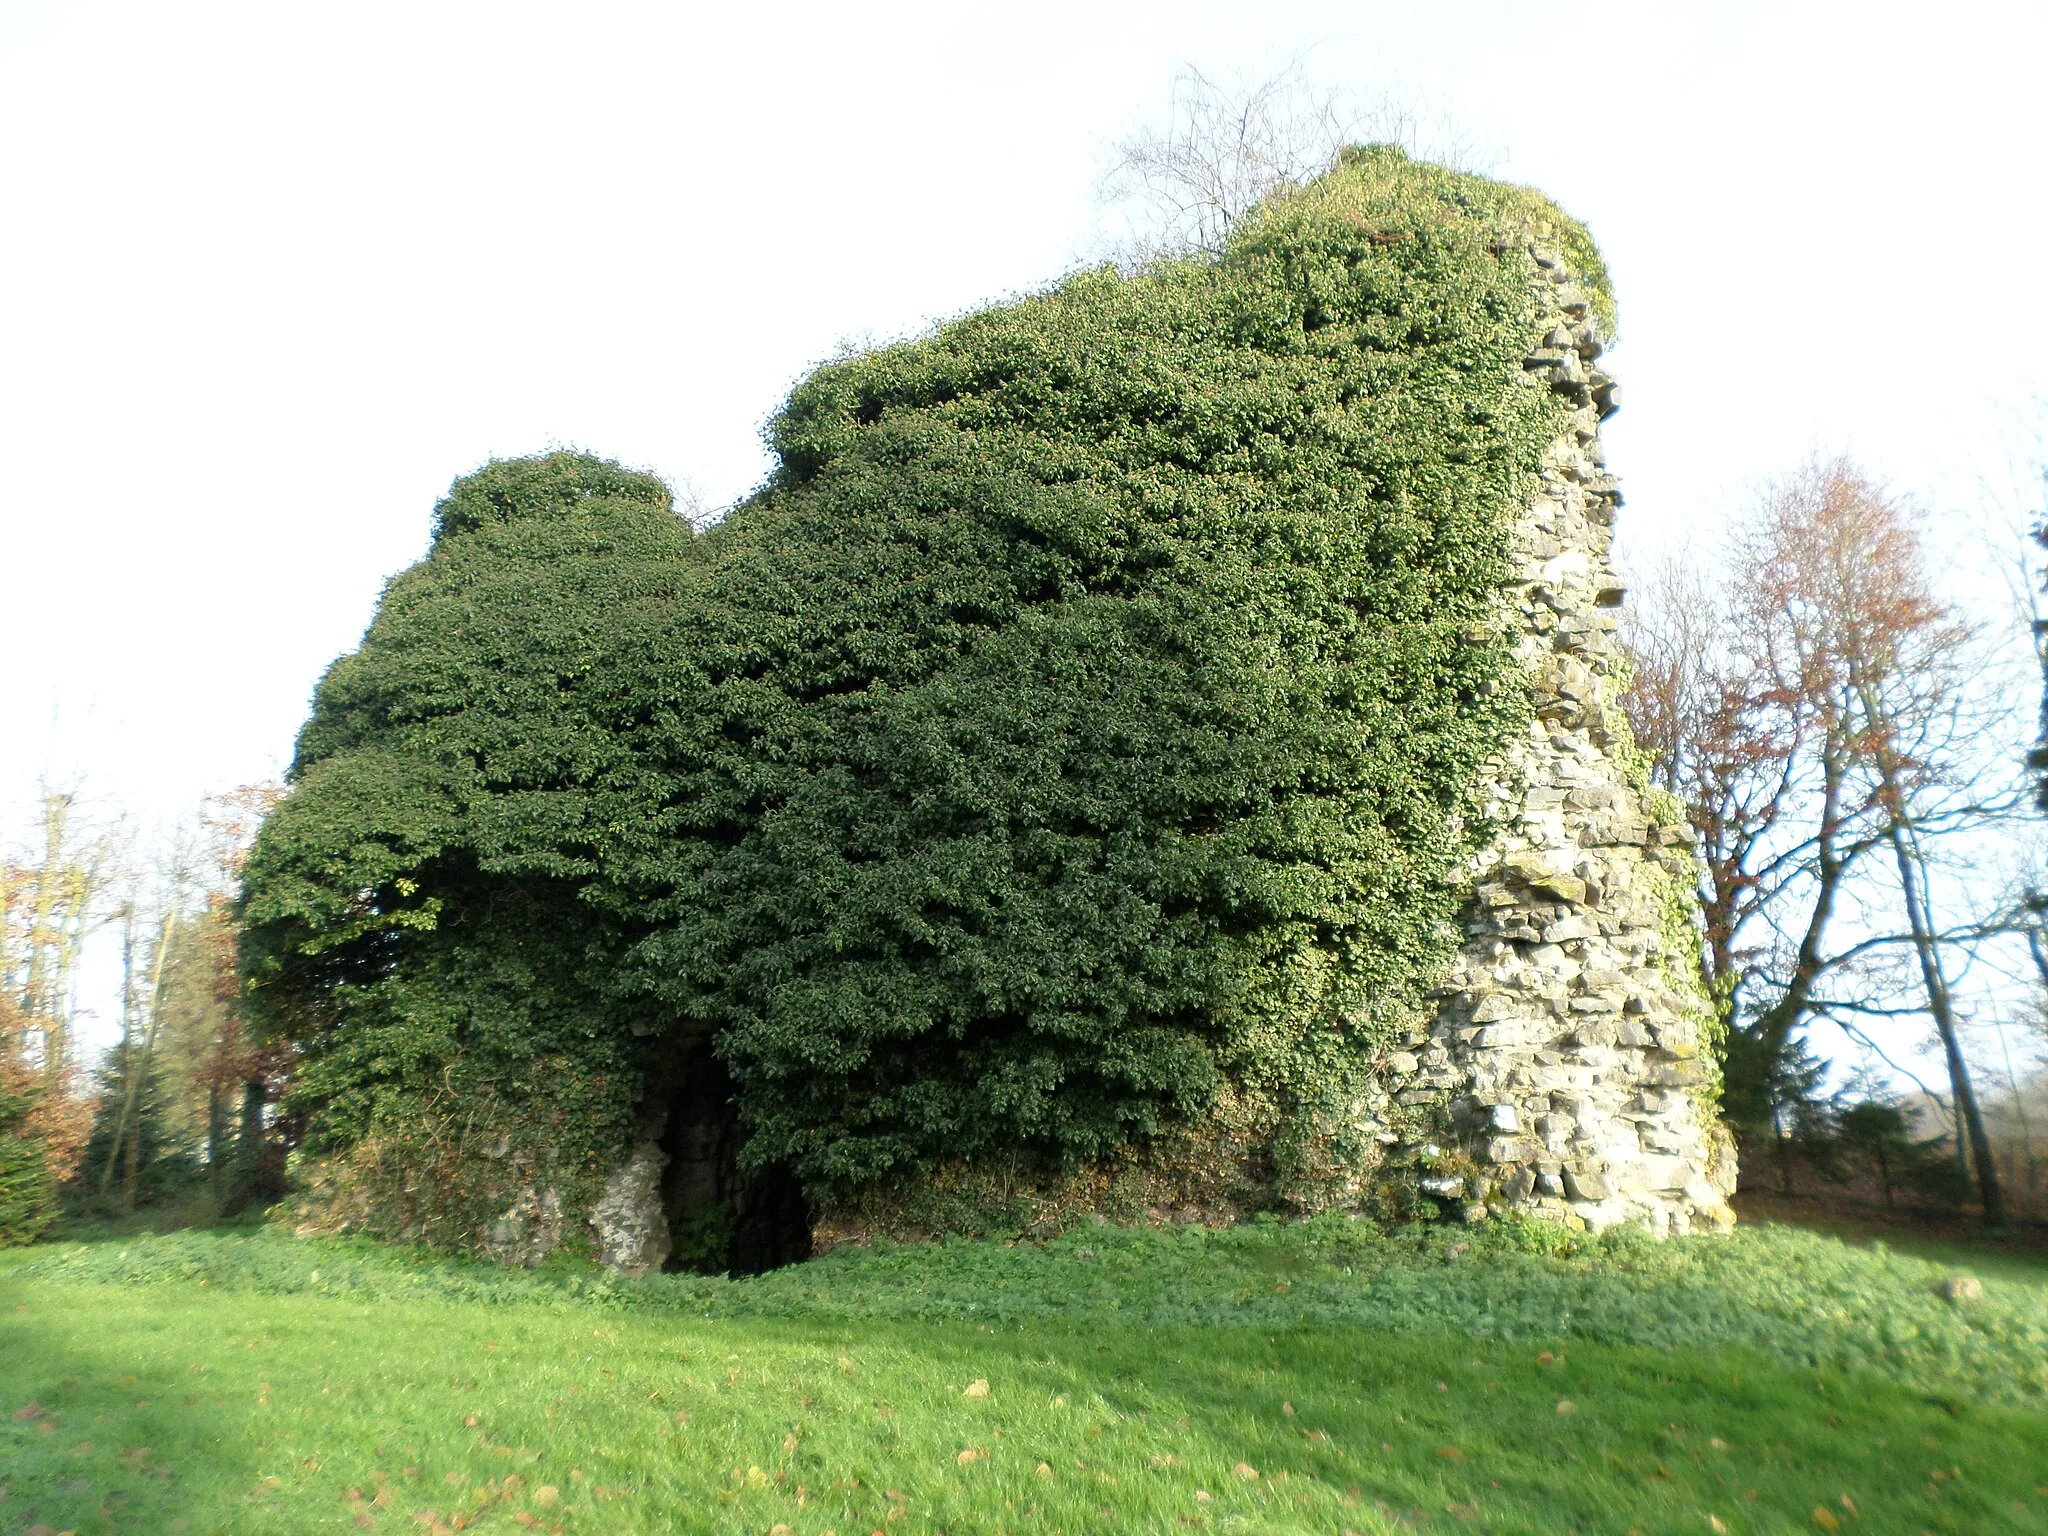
point(1569, 1030)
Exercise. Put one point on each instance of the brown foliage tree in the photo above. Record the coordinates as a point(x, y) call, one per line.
point(49, 903)
point(1810, 714)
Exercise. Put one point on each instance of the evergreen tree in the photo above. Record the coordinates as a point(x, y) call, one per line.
point(128, 1159)
point(28, 1194)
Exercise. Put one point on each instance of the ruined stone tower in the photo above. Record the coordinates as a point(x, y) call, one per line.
point(1567, 1049)
point(1570, 1031)
point(1055, 794)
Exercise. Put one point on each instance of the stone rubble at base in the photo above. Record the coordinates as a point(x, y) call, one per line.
point(1568, 1033)
point(629, 1219)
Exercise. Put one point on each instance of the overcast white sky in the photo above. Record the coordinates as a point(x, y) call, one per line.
point(271, 275)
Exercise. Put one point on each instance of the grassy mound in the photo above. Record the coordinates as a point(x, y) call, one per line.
point(1803, 1300)
point(1272, 1378)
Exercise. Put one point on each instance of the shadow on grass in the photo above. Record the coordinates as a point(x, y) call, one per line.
point(1944, 1237)
point(101, 1427)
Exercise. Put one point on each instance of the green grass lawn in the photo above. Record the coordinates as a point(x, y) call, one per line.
point(1307, 1378)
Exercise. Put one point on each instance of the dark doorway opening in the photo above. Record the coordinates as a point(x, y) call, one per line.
point(721, 1219)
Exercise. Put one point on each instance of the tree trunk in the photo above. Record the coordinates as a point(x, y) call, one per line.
point(1775, 1025)
point(2019, 1110)
point(131, 1168)
point(248, 1145)
point(136, 1068)
point(216, 1140)
point(1784, 1153)
point(1926, 947)
point(126, 1056)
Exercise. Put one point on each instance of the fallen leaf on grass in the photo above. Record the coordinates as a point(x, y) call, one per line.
point(1714, 1524)
point(1288, 1409)
point(975, 1388)
point(1247, 1471)
point(1849, 1504)
point(1450, 1453)
point(779, 1529)
point(1566, 1405)
point(1201, 1495)
point(970, 1456)
point(756, 1478)
point(1718, 1443)
point(32, 1411)
point(1825, 1518)
point(1044, 1470)
point(547, 1495)
point(1546, 1358)
point(1165, 1461)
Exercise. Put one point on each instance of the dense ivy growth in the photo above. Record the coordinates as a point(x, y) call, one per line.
point(417, 909)
point(1082, 719)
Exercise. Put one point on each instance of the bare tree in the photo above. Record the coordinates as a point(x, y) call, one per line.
point(1723, 734)
point(1821, 713)
point(185, 1083)
point(142, 1017)
point(1904, 657)
point(1228, 145)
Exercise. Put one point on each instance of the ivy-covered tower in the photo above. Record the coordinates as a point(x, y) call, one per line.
point(1149, 747)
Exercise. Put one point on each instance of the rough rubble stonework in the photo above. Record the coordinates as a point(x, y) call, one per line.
point(531, 1228)
point(629, 1219)
point(1568, 1034)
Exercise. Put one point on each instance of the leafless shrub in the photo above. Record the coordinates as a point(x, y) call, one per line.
point(1228, 144)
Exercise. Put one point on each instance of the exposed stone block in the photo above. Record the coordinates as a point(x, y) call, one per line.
point(629, 1218)
point(1563, 993)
